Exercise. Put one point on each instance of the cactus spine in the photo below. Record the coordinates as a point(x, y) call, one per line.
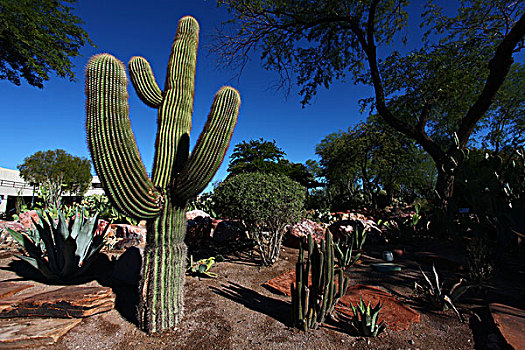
point(177, 177)
point(312, 303)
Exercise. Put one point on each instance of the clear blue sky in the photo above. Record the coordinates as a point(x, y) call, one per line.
point(32, 119)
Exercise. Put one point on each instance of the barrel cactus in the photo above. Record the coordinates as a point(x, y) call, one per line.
point(177, 177)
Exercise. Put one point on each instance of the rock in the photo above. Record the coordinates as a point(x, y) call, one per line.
point(191, 215)
point(7, 242)
point(511, 324)
point(101, 226)
point(198, 230)
point(8, 289)
point(13, 225)
point(31, 332)
point(343, 228)
point(129, 236)
point(398, 316)
point(128, 266)
point(65, 302)
point(281, 284)
point(227, 231)
point(295, 233)
point(25, 218)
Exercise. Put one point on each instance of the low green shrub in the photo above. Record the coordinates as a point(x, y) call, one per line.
point(265, 204)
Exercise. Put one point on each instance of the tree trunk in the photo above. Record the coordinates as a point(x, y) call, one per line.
point(444, 184)
point(163, 270)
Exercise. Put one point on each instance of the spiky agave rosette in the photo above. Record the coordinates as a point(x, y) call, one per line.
point(61, 253)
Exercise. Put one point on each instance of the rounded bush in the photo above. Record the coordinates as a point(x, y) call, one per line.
point(265, 203)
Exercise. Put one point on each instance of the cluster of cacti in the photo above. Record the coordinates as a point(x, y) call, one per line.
point(311, 304)
point(60, 252)
point(177, 177)
point(366, 319)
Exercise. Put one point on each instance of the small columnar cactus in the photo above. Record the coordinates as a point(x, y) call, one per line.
point(177, 177)
point(311, 304)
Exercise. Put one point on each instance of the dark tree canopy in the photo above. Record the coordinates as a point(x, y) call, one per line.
point(371, 157)
point(255, 156)
point(435, 94)
point(265, 157)
point(56, 172)
point(37, 38)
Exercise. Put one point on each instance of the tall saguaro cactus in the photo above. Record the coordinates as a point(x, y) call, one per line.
point(176, 178)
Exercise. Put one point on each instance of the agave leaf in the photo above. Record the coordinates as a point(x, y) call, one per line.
point(381, 327)
point(44, 231)
point(448, 302)
point(458, 290)
point(84, 239)
point(79, 219)
point(436, 277)
point(38, 264)
point(60, 233)
point(89, 258)
point(70, 260)
point(29, 246)
point(428, 281)
point(62, 225)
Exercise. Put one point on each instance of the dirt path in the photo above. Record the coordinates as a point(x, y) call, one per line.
point(235, 311)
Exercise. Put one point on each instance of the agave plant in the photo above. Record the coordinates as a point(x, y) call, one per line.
point(365, 320)
point(437, 297)
point(60, 252)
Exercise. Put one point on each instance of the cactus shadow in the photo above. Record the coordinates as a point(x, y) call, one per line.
point(275, 308)
point(123, 277)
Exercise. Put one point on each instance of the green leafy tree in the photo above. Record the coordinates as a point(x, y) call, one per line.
point(56, 172)
point(37, 38)
point(436, 94)
point(255, 156)
point(371, 157)
point(265, 157)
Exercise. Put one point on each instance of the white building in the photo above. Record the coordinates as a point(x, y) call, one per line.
point(12, 186)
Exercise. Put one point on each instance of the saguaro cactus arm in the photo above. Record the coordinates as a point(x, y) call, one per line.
point(174, 117)
point(111, 140)
point(211, 146)
point(144, 82)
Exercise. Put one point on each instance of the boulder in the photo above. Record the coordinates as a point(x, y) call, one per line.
point(101, 227)
point(6, 241)
point(510, 322)
point(65, 302)
point(13, 225)
point(198, 230)
point(25, 218)
point(129, 236)
point(295, 233)
point(227, 231)
point(192, 214)
point(20, 333)
point(343, 228)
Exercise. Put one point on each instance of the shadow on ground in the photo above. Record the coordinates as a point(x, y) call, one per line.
point(275, 308)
